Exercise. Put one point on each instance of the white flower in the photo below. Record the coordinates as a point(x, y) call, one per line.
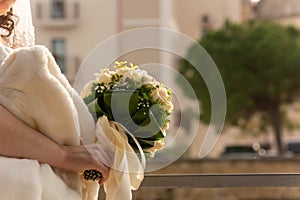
point(158, 145)
point(104, 76)
point(168, 106)
point(166, 127)
point(123, 70)
point(161, 93)
point(138, 75)
point(132, 77)
point(148, 79)
point(87, 90)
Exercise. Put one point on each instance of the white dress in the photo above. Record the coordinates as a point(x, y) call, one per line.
point(33, 89)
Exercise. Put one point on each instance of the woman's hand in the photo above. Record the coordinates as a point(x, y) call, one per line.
point(81, 158)
point(19, 140)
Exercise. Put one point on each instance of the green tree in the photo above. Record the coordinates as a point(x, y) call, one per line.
point(260, 65)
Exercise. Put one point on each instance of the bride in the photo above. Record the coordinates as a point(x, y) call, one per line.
point(43, 122)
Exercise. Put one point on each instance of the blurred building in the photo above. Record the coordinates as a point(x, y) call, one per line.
point(284, 11)
point(196, 17)
point(72, 28)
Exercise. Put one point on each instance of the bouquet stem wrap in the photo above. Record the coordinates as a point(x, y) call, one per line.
point(127, 172)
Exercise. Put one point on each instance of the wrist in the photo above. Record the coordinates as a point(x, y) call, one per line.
point(68, 158)
point(62, 156)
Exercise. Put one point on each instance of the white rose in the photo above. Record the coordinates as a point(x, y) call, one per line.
point(155, 95)
point(169, 107)
point(162, 94)
point(158, 145)
point(104, 76)
point(166, 127)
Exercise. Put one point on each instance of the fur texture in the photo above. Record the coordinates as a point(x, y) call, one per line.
point(33, 89)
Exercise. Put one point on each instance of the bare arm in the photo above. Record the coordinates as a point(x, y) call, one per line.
point(21, 141)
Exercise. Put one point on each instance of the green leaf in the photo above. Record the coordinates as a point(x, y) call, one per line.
point(105, 108)
point(145, 144)
point(259, 63)
point(141, 117)
point(120, 104)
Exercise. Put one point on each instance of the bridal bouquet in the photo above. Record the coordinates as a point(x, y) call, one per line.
point(135, 100)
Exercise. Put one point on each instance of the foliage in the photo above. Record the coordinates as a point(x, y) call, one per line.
point(260, 65)
point(134, 99)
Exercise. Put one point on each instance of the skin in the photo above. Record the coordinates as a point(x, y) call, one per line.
point(5, 5)
point(18, 140)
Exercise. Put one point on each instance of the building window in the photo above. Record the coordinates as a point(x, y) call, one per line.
point(205, 19)
point(59, 53)
point(58, 8)
point(206, 25)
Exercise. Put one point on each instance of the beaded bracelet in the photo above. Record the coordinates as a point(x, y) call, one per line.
point(92, 174)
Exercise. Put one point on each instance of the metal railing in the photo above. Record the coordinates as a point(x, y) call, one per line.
point(221, 180)
point(171, 182)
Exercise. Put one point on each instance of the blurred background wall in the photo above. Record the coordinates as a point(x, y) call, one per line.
point(72, 28)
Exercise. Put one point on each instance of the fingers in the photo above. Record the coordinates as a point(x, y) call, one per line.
point(107, 153)
point(101, 155)
point(103, 159)
point(105, 174)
